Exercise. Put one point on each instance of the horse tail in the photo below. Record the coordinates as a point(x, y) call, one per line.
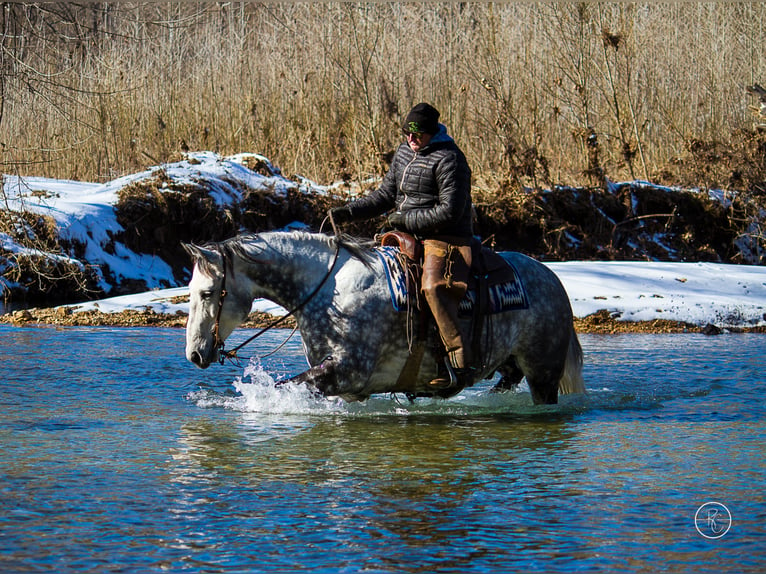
point(571, 380)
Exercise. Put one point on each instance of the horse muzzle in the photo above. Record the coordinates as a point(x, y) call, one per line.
point(202, 360)
point(196, 358)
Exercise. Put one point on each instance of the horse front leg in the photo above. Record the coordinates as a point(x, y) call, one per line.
point(322, 377)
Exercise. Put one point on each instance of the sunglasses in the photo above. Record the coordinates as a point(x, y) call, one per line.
point(413, 135)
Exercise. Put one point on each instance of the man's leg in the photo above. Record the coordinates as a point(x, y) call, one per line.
point(445, 280)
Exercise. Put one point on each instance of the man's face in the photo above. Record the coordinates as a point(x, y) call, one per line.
point(418, 141)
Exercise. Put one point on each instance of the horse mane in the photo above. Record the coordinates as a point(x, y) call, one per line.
point(358, 248)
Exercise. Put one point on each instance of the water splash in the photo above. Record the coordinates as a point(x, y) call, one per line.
point(256, 392)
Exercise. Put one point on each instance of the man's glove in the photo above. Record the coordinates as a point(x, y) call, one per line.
point(396, 220)
point(340, 214)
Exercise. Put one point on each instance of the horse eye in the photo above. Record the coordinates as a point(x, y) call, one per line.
point(206, 294)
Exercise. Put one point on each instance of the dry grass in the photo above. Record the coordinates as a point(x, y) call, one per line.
point(537, 95)
point(99, 90)
point(32, 270)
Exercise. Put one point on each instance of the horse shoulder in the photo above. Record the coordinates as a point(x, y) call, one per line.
point(355, 279)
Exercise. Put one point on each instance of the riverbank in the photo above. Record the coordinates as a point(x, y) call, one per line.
point(606, 297)
point(601, 322)
point(126, 236)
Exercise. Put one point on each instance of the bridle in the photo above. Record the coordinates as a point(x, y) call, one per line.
point(232, 354)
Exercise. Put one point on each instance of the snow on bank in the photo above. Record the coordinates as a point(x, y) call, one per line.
point(697, 293)
point(168, 301)
point(84, 212)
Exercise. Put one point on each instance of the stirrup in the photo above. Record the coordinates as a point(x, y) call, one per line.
point(447, 380)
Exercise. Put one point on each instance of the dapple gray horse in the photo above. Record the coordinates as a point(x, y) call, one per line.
point(356, 343)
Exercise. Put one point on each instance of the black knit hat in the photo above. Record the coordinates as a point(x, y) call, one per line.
point(423, 118)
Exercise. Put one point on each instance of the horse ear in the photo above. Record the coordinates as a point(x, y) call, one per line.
point(198, 253)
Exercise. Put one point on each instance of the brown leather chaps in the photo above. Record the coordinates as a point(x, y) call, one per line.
point(446, 268)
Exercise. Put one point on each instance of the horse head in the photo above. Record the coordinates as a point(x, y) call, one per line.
point(217, 303)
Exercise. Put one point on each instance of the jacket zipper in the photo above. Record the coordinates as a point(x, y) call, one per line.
point(401, 185)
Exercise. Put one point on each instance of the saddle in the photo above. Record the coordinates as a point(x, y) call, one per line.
point(405, 243)
point(488, 268)
point(493, 287)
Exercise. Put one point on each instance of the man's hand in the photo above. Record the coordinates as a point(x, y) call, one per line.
point(340, 214)
point(396, 219)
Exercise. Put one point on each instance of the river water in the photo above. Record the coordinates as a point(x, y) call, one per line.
point(119, 456)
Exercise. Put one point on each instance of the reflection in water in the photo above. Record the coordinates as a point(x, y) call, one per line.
point(119, 456)
point(415, 483)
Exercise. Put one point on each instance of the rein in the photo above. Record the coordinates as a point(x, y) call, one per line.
point(232, 354)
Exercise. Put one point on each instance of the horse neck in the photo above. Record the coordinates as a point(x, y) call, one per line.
point(295, 265)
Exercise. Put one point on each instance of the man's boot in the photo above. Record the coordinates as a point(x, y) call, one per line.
point(449, 377)
point(445, 280)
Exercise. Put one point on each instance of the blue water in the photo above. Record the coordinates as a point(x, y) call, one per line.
point(119, 456)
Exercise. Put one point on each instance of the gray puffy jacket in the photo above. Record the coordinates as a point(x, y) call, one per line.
point(431, 188)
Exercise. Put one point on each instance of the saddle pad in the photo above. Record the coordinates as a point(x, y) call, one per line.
point(505, 296)
point(395, 275)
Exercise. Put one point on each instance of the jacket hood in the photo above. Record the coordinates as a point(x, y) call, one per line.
point(441, 136)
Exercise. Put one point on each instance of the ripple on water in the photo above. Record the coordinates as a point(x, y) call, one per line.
point(255, 391)
point(105, 466)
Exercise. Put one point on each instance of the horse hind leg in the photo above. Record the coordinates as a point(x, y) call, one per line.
point(543, 385)
point(544, 389)
point(510, 376)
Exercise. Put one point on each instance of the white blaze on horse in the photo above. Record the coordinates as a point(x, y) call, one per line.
point(356, 342)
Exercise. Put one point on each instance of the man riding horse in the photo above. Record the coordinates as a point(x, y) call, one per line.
point(429, 187)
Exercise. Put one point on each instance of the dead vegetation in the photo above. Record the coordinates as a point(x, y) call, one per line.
point(550, 102)
point(31, 273)
point(590, 223)
point(158, 214)
point(527, 88)
point(600, 323)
